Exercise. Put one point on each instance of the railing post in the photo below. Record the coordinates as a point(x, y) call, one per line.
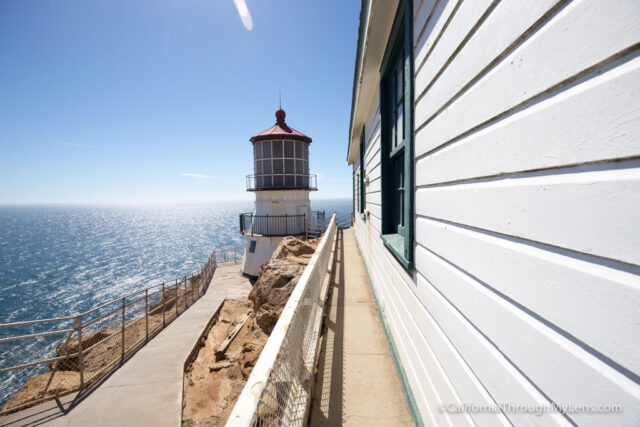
point(185, 292)
point(123, 324)
point(164, 319)
point(177, 298)
point(80, 351)
point(146, 313)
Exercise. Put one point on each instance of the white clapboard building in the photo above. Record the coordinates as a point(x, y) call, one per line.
point(495, 148)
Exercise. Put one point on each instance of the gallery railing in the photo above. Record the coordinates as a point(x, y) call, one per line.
point(79, 350)
point(282, 181)
point(272, 225)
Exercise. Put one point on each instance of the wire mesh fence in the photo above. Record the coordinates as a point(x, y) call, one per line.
point(229, 253)
point(54, 357)
point(283, 375)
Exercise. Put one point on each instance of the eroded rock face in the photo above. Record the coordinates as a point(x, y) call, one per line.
point(34, 389)
point(212, 385)
point(213, 382)
point(277, 279)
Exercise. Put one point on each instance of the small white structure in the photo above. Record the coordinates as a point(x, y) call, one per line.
point(282, 183)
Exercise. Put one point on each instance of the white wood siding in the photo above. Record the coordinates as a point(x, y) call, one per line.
point(527, 226)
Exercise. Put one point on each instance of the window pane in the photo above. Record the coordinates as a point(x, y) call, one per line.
point(277, 166)
point(277, 149)
point(299, 166)
point(259, 167)
point(399, 80)
point(299, 149)
point(289, 181)
point(266, 149)
point(394, 140)
point(399, 125)
point(306, 151)
point(257, 149)
point(393, 98)
point(288, 166)
point(288, 149)
point(277, 181)
point(398, 172)
point(266, 167)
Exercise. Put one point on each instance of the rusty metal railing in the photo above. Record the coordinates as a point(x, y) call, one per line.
point(79, 350)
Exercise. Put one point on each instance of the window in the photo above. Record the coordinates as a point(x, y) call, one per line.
point(252, 247)
point(396, 99)
point(281, 163)
point(356, 191)
point(363, 189)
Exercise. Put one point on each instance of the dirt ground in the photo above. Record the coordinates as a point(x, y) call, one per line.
point(213, 382)
point(212, 386)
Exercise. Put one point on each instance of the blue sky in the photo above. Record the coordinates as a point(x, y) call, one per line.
point(136, 101)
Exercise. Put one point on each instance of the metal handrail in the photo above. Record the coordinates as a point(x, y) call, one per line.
point(278, 390)
point(122, 316)
point(272, 225)
point(282, 181)
point(230, 253)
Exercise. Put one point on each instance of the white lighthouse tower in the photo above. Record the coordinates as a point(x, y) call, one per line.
point(282, 183)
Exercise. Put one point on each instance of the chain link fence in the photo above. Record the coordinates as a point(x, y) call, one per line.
point(55, 357)
point(278, 391)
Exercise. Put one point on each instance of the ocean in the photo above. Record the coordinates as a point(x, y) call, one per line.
point(59, 261)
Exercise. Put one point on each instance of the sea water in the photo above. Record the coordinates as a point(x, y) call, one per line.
point(60, 261)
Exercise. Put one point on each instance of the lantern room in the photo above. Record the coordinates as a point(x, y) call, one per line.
point(281, 159)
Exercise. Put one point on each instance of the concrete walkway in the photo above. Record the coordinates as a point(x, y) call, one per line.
point(358, 383)
point(147, 389)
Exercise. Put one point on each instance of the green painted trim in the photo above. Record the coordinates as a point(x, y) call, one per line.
point(396, 244)
point(406, 388)
point(363, 190)
point(399, 48)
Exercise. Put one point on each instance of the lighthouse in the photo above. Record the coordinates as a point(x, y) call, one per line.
point(281, 183)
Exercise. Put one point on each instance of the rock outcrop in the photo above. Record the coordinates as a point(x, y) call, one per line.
point(277, 279)
point(213, 384)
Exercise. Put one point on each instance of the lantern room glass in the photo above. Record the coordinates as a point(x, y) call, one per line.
point(281, 164)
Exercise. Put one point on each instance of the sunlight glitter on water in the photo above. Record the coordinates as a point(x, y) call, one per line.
point(60, 261)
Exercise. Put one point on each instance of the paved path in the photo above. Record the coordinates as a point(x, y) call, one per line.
point(357, 379)
point(147, 389)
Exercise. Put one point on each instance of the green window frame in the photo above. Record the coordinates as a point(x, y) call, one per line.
point(396, 111)
point(356, 190)
point(363, 188)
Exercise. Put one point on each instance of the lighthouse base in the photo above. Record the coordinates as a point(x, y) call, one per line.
point(259, 250)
